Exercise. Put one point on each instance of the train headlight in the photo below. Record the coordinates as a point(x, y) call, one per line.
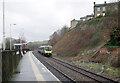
point(45, 51)
point(50, 51)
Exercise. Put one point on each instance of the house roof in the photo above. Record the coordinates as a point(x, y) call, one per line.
point(90, 16)
point(99, 5)
point(74, 20)
point(83, 17)
point(87, 16)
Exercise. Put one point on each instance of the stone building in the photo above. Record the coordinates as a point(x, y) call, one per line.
point(90, 16)
point(73, 23)
point(86, 17)
point(83, 18)
point(101, 9)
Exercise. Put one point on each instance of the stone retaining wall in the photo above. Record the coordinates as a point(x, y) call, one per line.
point(0, 66)
point(10, 61)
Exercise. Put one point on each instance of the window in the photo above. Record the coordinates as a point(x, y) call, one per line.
point(103, 8)
point(83, 19)
point(88, 18)
point(103, 14)
point(48, 48)
point(116, 8)
point(98, 14)
point(98, 9)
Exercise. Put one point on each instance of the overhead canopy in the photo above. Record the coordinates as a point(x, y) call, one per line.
point(18, 44)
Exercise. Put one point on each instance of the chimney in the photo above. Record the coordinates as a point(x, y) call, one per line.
point(94, 3)
point(105, 2)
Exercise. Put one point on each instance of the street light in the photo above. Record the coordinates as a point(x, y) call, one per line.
point(11, 36)
point(3, 27)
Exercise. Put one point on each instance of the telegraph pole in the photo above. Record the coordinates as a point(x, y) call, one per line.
point(10, 38)
point(3, 27)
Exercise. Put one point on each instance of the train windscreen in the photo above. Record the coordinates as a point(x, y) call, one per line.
point(48, 48)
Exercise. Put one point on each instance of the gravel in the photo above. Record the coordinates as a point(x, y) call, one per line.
point(73, 74)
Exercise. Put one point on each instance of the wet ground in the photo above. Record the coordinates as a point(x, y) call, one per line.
point(31, 69)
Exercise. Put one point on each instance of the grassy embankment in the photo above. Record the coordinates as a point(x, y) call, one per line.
point(36, 44)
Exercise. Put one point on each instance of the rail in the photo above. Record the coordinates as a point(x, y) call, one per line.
point(84, 72)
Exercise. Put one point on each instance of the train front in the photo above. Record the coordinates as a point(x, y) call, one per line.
point(48, 50)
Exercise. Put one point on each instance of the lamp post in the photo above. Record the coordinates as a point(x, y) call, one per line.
point(11, 36)
point(3, 27)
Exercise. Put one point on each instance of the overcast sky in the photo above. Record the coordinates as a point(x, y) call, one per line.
point(38, 19)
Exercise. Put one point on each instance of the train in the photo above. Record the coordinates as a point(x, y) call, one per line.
point(45, 50)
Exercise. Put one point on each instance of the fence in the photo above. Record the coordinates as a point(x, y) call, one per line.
point(102, 69)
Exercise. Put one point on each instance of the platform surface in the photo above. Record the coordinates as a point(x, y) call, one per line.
point(31, 69)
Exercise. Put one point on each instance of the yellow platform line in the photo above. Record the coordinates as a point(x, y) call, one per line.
point(45, 69)
point(35, 69)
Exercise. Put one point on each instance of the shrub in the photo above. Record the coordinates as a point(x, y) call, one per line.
point(111, 48)
point(114, 37)
point(107, 13)
point(100, 16)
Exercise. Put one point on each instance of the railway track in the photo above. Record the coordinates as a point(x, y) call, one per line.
point(46, 63)
point(91, 75)
point(65, 75)
point(75, 76)
point(72, 68)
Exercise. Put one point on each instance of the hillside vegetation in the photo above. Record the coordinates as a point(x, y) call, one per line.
point(88, 35)
point(86, 40)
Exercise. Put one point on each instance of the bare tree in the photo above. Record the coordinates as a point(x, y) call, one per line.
point(57, 35)
point(22, 38)
point(8, 42)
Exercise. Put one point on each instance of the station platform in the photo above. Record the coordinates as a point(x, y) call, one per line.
point(31, 69)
